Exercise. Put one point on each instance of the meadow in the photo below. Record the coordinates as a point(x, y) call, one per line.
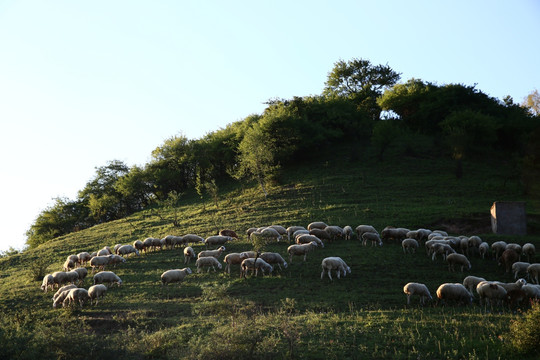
point(293, 313)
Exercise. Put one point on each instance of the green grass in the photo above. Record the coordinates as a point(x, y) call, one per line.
point(292, 314)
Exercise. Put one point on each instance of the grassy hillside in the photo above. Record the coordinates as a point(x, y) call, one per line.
point(292, 313)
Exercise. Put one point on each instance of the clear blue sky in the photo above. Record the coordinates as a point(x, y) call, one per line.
point(85, 82)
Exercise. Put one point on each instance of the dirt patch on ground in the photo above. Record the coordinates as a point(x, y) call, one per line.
point(472, 225)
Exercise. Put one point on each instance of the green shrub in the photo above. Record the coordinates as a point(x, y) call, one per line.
point(525, 332)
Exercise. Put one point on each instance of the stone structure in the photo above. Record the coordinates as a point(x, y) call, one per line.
point(508, 218)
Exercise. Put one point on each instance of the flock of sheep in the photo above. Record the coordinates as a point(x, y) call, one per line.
point(454, 249)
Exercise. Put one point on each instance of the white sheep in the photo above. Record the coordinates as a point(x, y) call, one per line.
point(483, 249)
point(317, 225)
point(454, 292)
point(213, 253)
point(306, 238)
point(77, 294)
point(156, 243)
point(334, 263)
point(490, 292)
point(515, 247)
point(217, 240)
point(497, 248)
point(249, 254)
point(139, 245)
point(268, 233)
point(234, 259)
point(115, 259)
point(175, 275)
point(361, 229)
point(301, 232)
point(531, 291)
point(255, 265)
point(126, 250)
point(107, 277)
point(441, 249)
point(148, 243)
point(321, 234)
point(292, 229)
point(529, 250)
point(471, 282)
point(534, 270)
point(513, 285)
point(273, 258)
point(83, 272)
point(208, 262)
point(391, 233)
point(520, 267)
point(335, 232)
point(300, 249)
point(409, 245)
point(73, 276)
point(48, 281)
point(83, 258)
point(99, 262)
point(189, 254)
point(458, 259)
point(60, 278)
point(68, 265)
point(419, 289)
point(96, 291)
point(373, 237)
point(280, 229)
point(61, 294)
point(105, 251)
point(348, 232)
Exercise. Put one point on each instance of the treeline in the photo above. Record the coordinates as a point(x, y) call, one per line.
point(361, 102)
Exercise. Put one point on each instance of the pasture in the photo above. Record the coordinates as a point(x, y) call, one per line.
point(293, 313)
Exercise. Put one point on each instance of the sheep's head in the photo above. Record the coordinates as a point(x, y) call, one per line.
point(521, 282)
point(188, 270)
point(222, 248)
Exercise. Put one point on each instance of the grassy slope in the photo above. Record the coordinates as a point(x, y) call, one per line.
point(295, 313)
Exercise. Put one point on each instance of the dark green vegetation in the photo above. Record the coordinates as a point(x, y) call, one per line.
point(293, 313)
point(441, 164)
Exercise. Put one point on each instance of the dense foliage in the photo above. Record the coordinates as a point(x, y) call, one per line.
point(461, 120)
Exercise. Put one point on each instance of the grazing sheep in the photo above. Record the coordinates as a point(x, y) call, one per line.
point(483, 249)
point(320, 233)
point(268, 233)
point(280, 229)
point(397, 234)
point(99, 262)
point(458, 259)
point(255, 265)
point(529, 250)
point(107, 277)
point(335, 232)
point(139, 245)
point(48, 281)
point(512, 286)
point(214, 253)
point(300, 249)
point(419, 235)
point(83, 272)
point(334, 263)
point(126, 250)
point(73, 276)
point(208, 262)
point(96, 291)
point(302, 232)
point(83, 258)
point(361, 229)
point(156, 243)
point(273, 258)
point(115, 259)
point(116, 248)
point(441, 249)
point(409, 245)
point(531, 291)
point(373, 237)
point(292, 229)
point(175, 275)
point(192, 238)
point(234, 259)
point(61, 294)
point(347, 232)
point(498, 248)
point(74, 295)
point(414, 288)
point(516, 248)
point(250, 231)
point(189, 254)
point(60, 278)
point(508, 258)
point(217, 240)
point(68, 265)
point(454, 292)
point(519, 267)
point(104, 252)
point(491, 292)
point(471, 282)
point(305, 238)
point(249, 254)
point(533, 270)
point(316, 225)
point(229, 233)
point(148, 243)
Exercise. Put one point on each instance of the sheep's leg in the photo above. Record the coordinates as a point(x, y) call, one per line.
point(330, 275)
point(408, 299)
point(322, 273)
